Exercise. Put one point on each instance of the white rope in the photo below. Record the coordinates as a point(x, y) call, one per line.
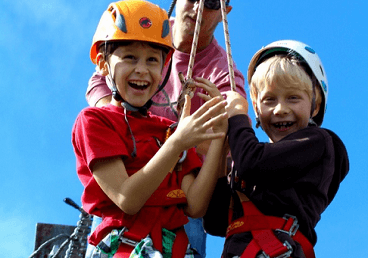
point(227, 43)
point(228, 46)
point(195, 40)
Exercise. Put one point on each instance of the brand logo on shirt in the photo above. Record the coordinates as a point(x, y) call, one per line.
point(235, 225)
point(177, 193)
point(145, 22)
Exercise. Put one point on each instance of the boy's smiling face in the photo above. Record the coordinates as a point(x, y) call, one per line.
point(282, 110)
point(136, 69)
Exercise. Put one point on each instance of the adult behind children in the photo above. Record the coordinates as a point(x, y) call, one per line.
point(210, 63)
point(135, 179)
point(280, 188)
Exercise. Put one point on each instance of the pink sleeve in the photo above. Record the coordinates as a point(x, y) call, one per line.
point(97, 89)
point(224, 84)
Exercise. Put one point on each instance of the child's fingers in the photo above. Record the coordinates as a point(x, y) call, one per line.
point(207, 106)
point(186, 108)
point(213, 136)
point(214, 115)
point(193, 129)
point(215, 120)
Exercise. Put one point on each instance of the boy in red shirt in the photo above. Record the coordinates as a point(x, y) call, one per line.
point(130, 161)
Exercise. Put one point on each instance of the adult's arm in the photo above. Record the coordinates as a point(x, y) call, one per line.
point(98, 93)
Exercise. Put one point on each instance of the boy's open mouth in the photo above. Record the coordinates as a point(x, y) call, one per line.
point(283, 125)
point(138, 85)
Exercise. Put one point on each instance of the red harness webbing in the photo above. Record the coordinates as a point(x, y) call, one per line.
point(261, 227)
point(142, 224)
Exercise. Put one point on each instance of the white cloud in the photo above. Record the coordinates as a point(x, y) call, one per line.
point(15, 231)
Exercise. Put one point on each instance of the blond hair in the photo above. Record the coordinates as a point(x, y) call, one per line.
point(284, 71)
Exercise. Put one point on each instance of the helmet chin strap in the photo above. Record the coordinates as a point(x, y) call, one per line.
point(311, 122)
point(127, 107)
point(142, 110)
point(313, 107)
point(258, 122)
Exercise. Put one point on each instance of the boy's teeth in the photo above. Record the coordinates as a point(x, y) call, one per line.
point(139, 83)
point(283, 124)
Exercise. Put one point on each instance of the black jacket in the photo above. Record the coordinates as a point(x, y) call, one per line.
point(298, 175)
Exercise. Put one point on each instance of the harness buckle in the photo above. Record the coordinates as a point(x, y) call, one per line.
point(287, 254)
point(293, 228)
point(126, 240)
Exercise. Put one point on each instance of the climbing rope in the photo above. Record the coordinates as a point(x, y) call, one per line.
point(227, 42)
point(188, 87)
point(228, 46)
point(195, 40)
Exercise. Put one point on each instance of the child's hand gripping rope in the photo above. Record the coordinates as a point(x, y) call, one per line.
point(193, 129)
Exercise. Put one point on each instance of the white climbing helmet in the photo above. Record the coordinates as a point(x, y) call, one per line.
point(307, 54)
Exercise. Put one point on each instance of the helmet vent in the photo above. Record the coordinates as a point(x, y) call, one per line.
point(320, 67)
point(118, 18)
point(165, 29)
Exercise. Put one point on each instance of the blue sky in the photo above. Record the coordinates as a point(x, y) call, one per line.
point(45, 68)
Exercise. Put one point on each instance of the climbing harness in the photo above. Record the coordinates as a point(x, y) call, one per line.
point(188, 87)
point(262, 228)
point(264, 239)
point(128, 232)
point(109, 246)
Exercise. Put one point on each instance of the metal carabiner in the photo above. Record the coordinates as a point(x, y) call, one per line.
point(126, 240)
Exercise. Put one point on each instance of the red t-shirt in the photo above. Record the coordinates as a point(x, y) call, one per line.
point(103, 132)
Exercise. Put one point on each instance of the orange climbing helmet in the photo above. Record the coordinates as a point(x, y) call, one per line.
point(133, 20)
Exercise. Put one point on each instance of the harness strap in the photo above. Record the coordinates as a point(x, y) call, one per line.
point(150, 222)
point(266, 241)
point(179, 247)
point(261, 227)
point(180, 244)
